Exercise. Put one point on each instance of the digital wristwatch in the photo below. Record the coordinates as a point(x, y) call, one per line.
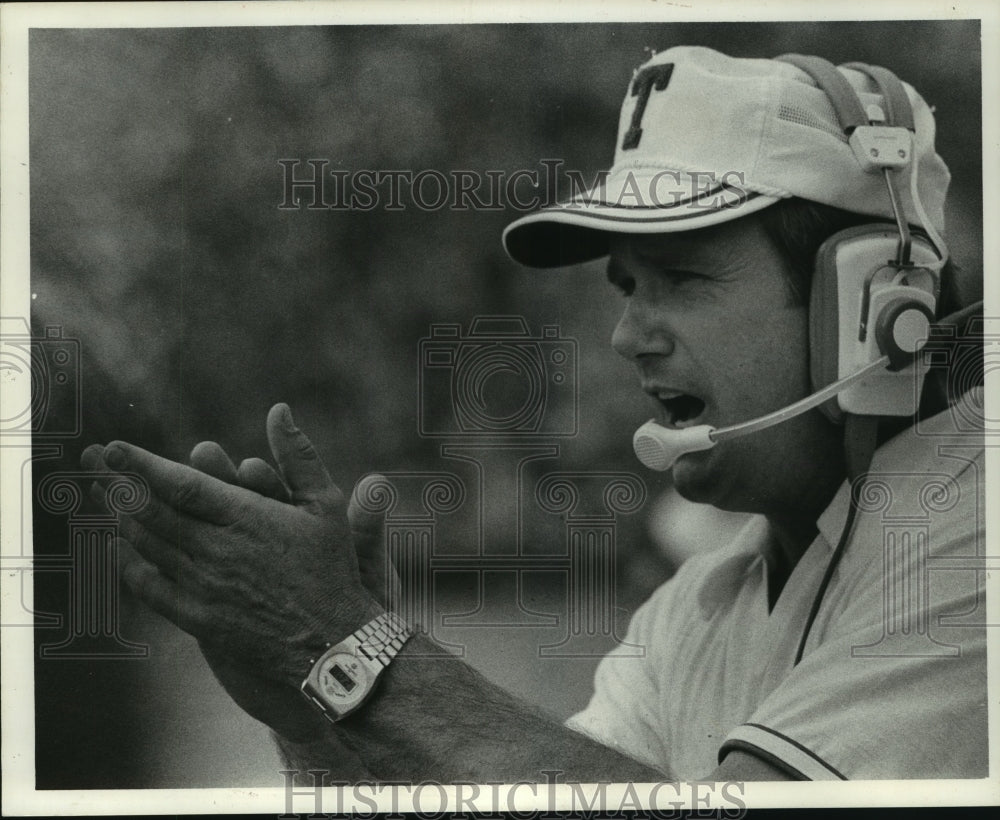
point(346, 674)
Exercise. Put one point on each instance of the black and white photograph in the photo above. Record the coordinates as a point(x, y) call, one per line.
point(423, 408)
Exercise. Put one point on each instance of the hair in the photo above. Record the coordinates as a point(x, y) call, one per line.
point(798, 227)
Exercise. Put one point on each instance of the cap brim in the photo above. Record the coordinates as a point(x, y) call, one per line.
point(632, 201)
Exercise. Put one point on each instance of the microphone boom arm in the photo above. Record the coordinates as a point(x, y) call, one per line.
point(808, 403)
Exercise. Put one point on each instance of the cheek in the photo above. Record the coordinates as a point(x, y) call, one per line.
point(764, 358)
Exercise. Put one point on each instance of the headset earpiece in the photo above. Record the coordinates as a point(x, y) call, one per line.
point(875, 287)
point(902, 329)
point(862, 307)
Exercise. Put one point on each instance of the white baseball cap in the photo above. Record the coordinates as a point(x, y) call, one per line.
point(704, 138)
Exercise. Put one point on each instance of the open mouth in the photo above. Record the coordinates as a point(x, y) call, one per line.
point(680, 410)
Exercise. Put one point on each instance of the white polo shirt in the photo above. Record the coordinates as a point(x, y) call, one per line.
point(892, 683)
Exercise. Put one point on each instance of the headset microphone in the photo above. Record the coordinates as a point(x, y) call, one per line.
point(658, 447)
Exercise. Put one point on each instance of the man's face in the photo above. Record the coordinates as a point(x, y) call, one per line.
point(713, 331)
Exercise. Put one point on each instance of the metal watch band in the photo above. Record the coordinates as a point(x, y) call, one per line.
point(342, 679)
point(382, 638)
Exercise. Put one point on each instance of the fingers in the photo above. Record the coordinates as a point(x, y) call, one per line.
point(307, 479)
point(165, 553)
point(178, 487)
point(257, 475)
point(209, 489)
point(126, 554)
point(163, 595)
point(93, 458)
point(210, 458)
point(136, 538)
point(253, 473)
point(154, 518)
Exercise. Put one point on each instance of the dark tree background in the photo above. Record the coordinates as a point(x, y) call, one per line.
point(157, 241)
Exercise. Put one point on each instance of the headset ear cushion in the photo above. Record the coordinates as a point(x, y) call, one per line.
point(824, 323)
point(858, 250)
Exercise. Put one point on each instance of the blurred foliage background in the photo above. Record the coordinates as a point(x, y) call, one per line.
point(156, 239)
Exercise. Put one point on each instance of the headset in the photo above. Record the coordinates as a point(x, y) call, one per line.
point(874, 291)
point(873, 303)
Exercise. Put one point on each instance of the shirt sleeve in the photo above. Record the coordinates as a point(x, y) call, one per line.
point(895, 685)
point(622, 712)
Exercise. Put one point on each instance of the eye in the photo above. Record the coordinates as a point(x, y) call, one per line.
point(679, 277)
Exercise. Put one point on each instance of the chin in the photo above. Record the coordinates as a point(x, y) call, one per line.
point(732, 476)
point(700, 478)
point(792, 466)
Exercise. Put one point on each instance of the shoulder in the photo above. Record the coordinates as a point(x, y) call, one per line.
point(926, 483)
point(931, 479)
point(705, 581)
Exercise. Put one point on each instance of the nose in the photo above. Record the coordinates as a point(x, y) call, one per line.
point(641, 331)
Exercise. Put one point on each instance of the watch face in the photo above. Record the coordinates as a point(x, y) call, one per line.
point(343, 681)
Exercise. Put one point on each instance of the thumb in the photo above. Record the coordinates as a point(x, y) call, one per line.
point(301, 467)
point(372, 498)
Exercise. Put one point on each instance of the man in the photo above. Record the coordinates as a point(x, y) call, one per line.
point(765, 659)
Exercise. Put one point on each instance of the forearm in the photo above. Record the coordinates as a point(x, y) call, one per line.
point(263, 582)
point(325, 754)
point(433, 717)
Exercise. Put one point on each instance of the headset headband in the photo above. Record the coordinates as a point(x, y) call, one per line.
point(895, 112)
point(846, 104)
point(898, 110)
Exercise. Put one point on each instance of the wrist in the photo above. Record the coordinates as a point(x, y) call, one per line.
point(345, 676)
point(301, 651)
